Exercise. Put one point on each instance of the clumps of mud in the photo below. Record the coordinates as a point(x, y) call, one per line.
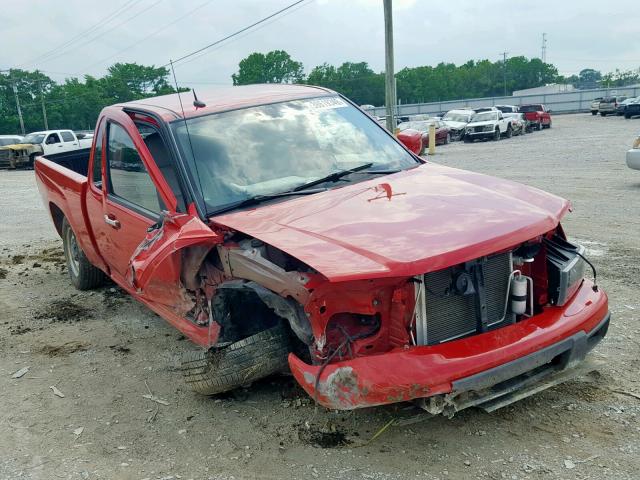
point(63, 311)
point(65, 349)
point(327, 436)
point(3, 273)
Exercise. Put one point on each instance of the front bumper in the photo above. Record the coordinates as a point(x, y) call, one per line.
point(633, 158)
point(480, 135)
point(560, 336)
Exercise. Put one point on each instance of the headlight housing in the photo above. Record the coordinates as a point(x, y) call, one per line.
point(565, 269)
point(488, 128)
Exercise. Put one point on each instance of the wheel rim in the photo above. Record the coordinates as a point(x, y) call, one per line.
point(73, 252)
point(448, 139)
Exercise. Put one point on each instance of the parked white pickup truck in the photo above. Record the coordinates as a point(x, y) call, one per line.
point(488, 125)
point(47, 142)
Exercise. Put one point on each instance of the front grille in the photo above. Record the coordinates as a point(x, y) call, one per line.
point(478, 129)
point(442, 314)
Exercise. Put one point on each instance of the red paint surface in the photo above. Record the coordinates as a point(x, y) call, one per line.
point(406, 373)
point(435, 217)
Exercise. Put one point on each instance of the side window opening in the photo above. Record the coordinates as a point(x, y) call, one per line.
point(67, 136)
point(97, 159)
point(128, 177)
point(53, 138)
point(162, 158)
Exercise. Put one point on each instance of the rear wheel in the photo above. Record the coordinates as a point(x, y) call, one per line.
point(627, 116)
point(84, 276)
point(447, 139)
point(241, 363)
point(603, 114)
point(594, 112)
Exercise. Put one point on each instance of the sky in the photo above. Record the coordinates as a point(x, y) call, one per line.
point(77, 37)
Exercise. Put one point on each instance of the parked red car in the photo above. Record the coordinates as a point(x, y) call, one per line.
point(279, 227)
point(536, 115)
point(413, 140)
point(443, 134)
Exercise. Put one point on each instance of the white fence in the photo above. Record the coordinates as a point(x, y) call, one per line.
point(567, 102)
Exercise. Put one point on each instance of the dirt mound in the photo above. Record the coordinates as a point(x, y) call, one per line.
point(64, 349)
point(63, 310)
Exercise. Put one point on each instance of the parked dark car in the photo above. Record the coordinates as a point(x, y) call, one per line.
point(622, 106)
point(632, 110)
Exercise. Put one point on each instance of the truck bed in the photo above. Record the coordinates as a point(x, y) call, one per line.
point(76, 160)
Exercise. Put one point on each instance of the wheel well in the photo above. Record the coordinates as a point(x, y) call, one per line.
point(57, 216)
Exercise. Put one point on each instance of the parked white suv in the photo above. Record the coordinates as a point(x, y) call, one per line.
point(488, 125)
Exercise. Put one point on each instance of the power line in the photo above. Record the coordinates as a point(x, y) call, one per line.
point(91, 29)
point(148, 36)
point(85, 42)
point(262, 20)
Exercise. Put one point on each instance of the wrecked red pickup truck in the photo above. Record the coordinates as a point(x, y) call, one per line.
point(280, 227)
point(536, 116)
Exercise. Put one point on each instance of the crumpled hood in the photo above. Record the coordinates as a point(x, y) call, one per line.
point(404, 224)
point(456, 125)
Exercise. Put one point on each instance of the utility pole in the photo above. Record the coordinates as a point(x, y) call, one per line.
point(390, 86)
point(44, 110)
point(543, 57)
point(15, 92)
point(504, 71)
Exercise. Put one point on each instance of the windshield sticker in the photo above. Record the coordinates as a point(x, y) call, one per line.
point(325, 103)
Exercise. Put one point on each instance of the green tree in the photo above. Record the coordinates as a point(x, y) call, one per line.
point(276, 66)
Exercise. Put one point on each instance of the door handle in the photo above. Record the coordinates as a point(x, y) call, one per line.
point(111, 221)
point(60, 146)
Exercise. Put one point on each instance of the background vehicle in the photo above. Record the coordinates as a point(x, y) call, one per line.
point(457, 120)
point(56, 141)
point(412, 139)
point(536, 115)
point(609, 105)
point(9, 140)
point(443, 135)
point(633, 155)
point(632, 110)
point(622, 106)
point(487, 125)
point(337, 243)
point(595, 106)
point(508, 108)
point(518, 122)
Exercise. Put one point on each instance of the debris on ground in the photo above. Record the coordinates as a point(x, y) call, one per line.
point(63, 310)
point(326, 436)
point(20, 373)
point(56, 392)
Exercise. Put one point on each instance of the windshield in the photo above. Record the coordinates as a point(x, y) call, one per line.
point(484, 117)
point(34, 138)
point(531, 108)
point(274, 148)
point(456, 117)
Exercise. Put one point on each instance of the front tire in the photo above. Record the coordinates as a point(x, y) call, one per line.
point(447, 139)
point(602, 114)
point(209, 372)
point(84, 276)
point(496, 135)
point(509, 133)
point(594, 112)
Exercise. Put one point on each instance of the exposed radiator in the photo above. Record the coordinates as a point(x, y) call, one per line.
point(443, 314)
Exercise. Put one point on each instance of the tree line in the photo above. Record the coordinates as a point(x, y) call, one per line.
point(76, 103)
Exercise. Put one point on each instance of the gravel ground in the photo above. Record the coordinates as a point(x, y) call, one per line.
point(103, 352)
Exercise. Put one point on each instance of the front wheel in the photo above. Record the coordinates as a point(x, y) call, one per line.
point(509, 133)
point(496, 135)
point(594, 112)
point(447, 139)
point(602, 114)
point(84, 276)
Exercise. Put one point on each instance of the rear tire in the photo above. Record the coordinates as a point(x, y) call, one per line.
point(509, 133)
point(447, 139)
point(594, 112)
point(84, 276)
point(627, 116)
point(241, 363)
point(602, 114)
